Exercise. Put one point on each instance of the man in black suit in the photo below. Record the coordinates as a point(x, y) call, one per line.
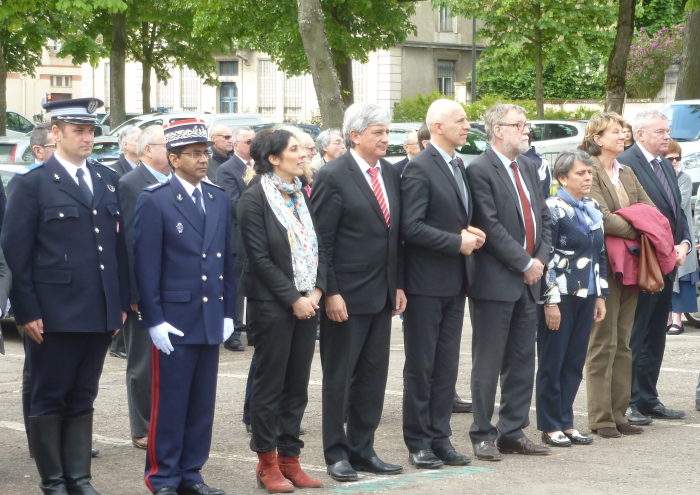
point(229, 176)
point(152, 169)
point(128, 159)
point(504, 278)
point(648, 340)
point(410, 146)
point(358, 211)
point(435, 214)
point(221, 150)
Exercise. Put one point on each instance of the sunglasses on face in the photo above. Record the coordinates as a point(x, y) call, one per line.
point(247, 141)
point(674, 159)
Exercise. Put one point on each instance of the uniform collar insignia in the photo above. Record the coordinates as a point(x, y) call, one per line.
point(210, 195)
point(179, 228)
point(98, 174)
point(56, 177)
point(179, 197)
point(110, 187)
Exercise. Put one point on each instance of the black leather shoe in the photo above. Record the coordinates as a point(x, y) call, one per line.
point(559, 439)
point(342, 471)
point(234, 343)
point(375, 465)
point(168, 490)
point(662, 412)
point(425, 459)
point(487, 451)
point(95, 452)
point(461, 406)
point(636, 418)
point(450, 457)
point(200, 489)
point(118, 354)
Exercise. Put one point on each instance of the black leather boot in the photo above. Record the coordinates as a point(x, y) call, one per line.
point(46, 445)
point(77, 455)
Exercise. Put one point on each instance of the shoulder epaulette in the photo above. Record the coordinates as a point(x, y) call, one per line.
point(212, 184)
point(94, 162)
point(156, 186)
point(31, 167)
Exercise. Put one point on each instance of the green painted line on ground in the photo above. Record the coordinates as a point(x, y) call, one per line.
point(398, 481)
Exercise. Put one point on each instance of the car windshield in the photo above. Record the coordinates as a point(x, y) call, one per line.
point(129, 122)
point(476, 143)
point(684, 121)
point(105, 150)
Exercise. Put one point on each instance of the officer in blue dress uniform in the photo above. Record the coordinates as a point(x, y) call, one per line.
point(63, 238)
point(187, 296)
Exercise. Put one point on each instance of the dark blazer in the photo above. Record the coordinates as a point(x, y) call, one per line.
point(496, 270)
point(130, 187)
point(5, 282)
point(365, 258)
point(652, 186)
point(230, 177)
point(68, 257)
point(432, 218)
point(122, 166)
point(401, 165)
point(268, 274)
point(183, 271)
point(215, 162)
point(3, 204)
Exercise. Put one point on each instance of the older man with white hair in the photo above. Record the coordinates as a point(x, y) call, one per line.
point(358, 215)
point(648, 341)
point(436, 211)
point(128, 159)
point(411, 147)
point(221, 150)
point(329, 145)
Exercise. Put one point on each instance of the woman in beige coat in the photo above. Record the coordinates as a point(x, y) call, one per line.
point(609, 360)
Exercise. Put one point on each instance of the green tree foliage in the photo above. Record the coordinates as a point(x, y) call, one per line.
point(546, 31)
point(581, 78)
point(653, 15)
point(415, 109)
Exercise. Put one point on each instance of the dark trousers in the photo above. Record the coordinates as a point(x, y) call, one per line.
point(138, 375)
point(183, 386)
point(249, 391)
point(561, 355)
point(648, 342)
point(284, 349)
point(432, 335)
point(355, 357)
point(65, 372)
point(503, 344)
point(118, 344)
point(26, 388)
point(240, 298)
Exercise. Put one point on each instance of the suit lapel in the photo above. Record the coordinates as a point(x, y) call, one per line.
point(505, 177)
point(184, 203)
point(647, 169)
point(147, 176)
point(606, 183)
point(211, 218)
point(362, 183)
point(672, 179)
point(446, 169)
point(66, 183)
point(98, 185)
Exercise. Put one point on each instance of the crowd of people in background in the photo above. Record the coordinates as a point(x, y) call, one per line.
point(221, 232)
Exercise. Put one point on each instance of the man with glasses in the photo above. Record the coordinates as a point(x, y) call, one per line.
point(410, 146)
point(504, 284)
point(187, 292)
point(330, 145)
point(221, 150)
point(153, 168)
point(230, 178)
point(648, 340)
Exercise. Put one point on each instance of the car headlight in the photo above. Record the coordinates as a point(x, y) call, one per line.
point(690, 161)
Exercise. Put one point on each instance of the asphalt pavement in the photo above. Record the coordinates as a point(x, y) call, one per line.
point(664, 459)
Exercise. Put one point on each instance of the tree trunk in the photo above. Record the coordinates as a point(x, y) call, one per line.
point(617, 62)
point(117, 71)
point(344, 70)
point(147, 52)
point(318, 53)
point(539, 70)
point(689, 76)
point(3, 90)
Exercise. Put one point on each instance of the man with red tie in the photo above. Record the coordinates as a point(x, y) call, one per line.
point(505, 276)
point(356, 200)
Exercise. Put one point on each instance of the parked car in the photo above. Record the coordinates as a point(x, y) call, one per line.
point(17, 124)
point(232, 120)
point(314, 130)
point(684, 120)
point(106, 150)
point(15, 149)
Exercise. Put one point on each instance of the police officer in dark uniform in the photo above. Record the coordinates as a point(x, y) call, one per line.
point(64, 243)
point(187, 297)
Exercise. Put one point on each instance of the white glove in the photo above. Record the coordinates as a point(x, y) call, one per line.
point(159, 336)
point(228, 328)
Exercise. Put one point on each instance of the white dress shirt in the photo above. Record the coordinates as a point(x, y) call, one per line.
point(364, 167)
point(73, 170)
point(447, 159)
point(190, 190)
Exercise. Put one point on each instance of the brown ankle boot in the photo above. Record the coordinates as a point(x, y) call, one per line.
point(269, 475)
point(291, 469)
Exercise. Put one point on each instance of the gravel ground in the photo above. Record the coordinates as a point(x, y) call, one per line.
point(665, 459)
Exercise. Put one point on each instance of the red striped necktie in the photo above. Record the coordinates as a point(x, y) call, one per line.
point(377, 190)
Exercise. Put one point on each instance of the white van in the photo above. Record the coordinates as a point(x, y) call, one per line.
point(232, 120)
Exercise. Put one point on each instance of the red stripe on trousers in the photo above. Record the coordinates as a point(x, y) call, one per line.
point(155, 397)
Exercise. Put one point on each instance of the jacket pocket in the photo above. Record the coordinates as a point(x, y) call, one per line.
point(175, 296)
point(359, 266)
point(60, 212)
point(52, 276)
point(113, 209)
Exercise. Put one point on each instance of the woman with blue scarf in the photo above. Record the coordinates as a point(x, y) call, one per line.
point(574, 298)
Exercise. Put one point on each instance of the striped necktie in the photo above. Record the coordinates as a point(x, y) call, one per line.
point(377, 190)
point(664, 182)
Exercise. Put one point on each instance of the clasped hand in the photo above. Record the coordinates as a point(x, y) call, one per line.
point(305, 307)
point(472, 238)
point(535, 272)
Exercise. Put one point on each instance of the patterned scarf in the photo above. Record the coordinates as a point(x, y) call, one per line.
point(300, 232)
point(587, 217)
